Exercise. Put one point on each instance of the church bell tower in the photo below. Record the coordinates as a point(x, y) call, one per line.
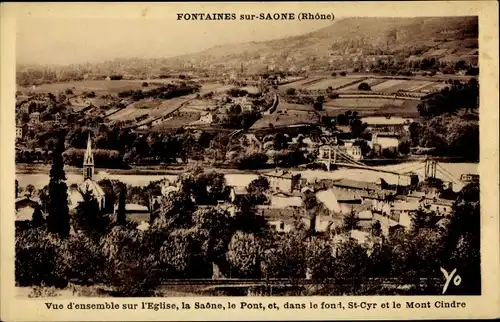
point(88, 161)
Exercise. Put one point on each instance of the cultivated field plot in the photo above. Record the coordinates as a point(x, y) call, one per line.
point(288, 119)
point(332, 82)
point(175, 122)
point(394, 85)
point(371, 81)
point(303, 83)
point(371, 106)
point(283, 106)
point(364, 102)
point(136, 109)
point(100, 87)
point(200, 105)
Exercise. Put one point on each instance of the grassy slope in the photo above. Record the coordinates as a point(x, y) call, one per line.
point(456, 36)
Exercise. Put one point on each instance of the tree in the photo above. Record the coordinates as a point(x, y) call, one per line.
point(214, 230)
point(244, 254)
point(286, 258)
point(176, 211)
point(350, 222)
point(57, 205)
point(89, 217)
point(17, 189)
point(364, 87)
point(423, 219)
point(181, 254)
point(121, 218)
point(376, 229)
point(29, 190)
point(351, 267)
point(37, 219)
point(291, 91)
point(319, 258)
point(318, 104)
point(463, 240)
point(131, 268)
point(258, 186)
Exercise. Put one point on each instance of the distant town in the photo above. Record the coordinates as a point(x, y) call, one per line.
point(353, 175)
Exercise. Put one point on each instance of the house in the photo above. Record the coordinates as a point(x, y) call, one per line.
point(282, 180)
point(393, 125)
point(26, 108)
point(237, 192)
point(338, 201)
point(392, 214)
point(283, 219)
point(282, 200)
point(381, 141)
point(441, 207)
point(35, 117)
point(469, 177)
point(19, 132)
point(354, 152)
point(370, 187)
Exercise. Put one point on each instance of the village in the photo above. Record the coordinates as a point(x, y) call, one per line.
point(351, 173)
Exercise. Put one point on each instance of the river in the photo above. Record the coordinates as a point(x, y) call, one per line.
point(451, 171)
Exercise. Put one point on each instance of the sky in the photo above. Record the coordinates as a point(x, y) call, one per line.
point(67, 41)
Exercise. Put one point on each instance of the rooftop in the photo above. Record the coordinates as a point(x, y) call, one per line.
point(280, 174)
point(353, 184)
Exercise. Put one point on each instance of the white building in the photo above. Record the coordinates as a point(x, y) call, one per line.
point(384, 141)
point(19, 132)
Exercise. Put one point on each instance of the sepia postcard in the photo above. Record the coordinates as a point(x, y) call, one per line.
point(249, 161)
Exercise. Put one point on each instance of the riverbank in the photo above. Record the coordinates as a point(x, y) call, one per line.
point(39, 175)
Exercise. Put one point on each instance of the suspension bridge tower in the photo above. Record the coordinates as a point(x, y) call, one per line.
point(430, 169)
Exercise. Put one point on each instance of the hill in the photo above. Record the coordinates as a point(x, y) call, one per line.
point(352, 40)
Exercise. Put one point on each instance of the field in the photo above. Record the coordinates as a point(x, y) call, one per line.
point(100, 87)
point(333, 82)
point(364, 102)
point(350, 83)
point(371, 106)
point(158, 108)
point(137, 109)
point(176, 122)
point(283, 106)
point(287, 118)
point(394, 85)
point(303, 83)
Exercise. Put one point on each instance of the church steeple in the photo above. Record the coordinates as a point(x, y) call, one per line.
point(88, 161)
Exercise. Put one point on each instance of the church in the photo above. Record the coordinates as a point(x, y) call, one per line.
point(88, 184)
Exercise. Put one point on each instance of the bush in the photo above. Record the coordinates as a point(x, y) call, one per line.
point(145, 84)
point(291, 91)
point(82, 259)
point(131, 268)
point(364, 87)
point(343, 73)
point(37, 261)
point(68, 91)
point(251, 161)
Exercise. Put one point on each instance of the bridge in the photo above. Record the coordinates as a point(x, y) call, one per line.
point(337, 157)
